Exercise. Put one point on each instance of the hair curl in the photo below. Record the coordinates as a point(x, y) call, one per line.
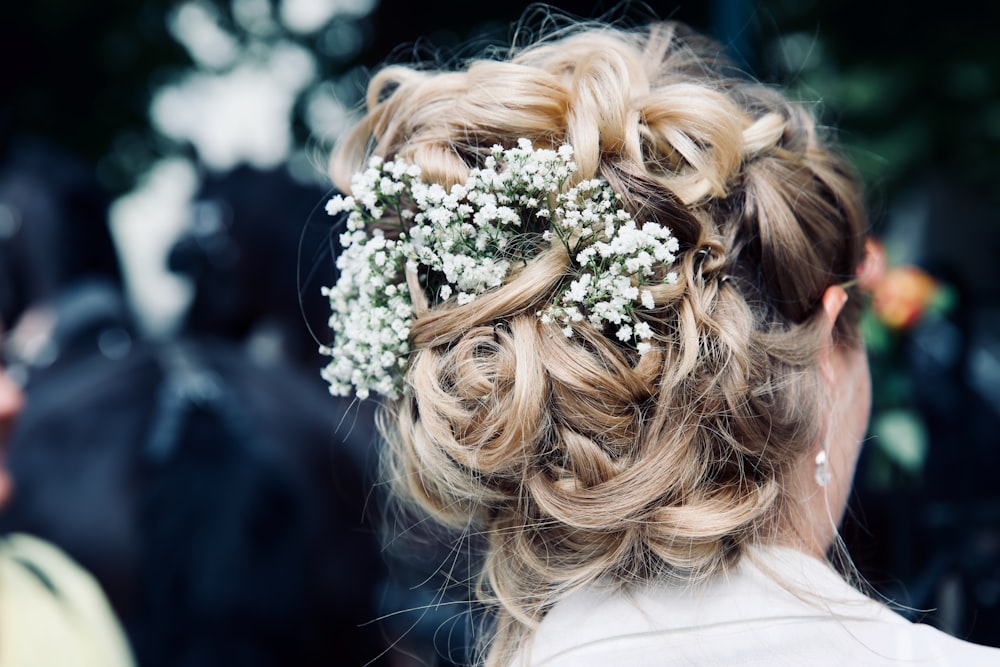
point(577, 458)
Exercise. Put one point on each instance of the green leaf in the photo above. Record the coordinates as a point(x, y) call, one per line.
point(902, 437)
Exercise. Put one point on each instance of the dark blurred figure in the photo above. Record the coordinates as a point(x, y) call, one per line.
point(210, 484)
point(51, 611)
point(69, 343)
point(243, 383)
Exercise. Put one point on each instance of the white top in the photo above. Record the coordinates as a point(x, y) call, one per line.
point(743, 618)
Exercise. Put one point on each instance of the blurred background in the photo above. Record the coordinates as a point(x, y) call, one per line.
point(175, 151)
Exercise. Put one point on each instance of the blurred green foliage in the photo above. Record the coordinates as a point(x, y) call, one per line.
point(911, 89)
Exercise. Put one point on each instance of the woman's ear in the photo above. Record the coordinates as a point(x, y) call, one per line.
point(834, 299)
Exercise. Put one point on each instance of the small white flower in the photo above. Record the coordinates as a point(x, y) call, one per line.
point(643, 330)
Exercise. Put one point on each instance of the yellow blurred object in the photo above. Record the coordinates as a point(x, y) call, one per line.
point(903, 295)
point(52, 613)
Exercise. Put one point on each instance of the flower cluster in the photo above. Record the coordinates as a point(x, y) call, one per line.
point(460, 242)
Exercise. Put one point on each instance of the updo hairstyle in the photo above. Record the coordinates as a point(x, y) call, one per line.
point(576, 457)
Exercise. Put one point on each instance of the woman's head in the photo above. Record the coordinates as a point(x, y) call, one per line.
point(578, 456)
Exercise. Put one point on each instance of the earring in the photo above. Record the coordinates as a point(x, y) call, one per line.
point(822, 473)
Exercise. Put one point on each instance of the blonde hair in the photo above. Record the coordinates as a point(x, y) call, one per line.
point(578, 459)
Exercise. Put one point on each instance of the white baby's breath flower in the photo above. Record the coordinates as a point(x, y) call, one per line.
point(463, 241)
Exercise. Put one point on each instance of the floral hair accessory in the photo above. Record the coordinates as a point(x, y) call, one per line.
point(464, 241)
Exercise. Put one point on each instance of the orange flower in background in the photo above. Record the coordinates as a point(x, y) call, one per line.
point(900, 297)
point(903, 295)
